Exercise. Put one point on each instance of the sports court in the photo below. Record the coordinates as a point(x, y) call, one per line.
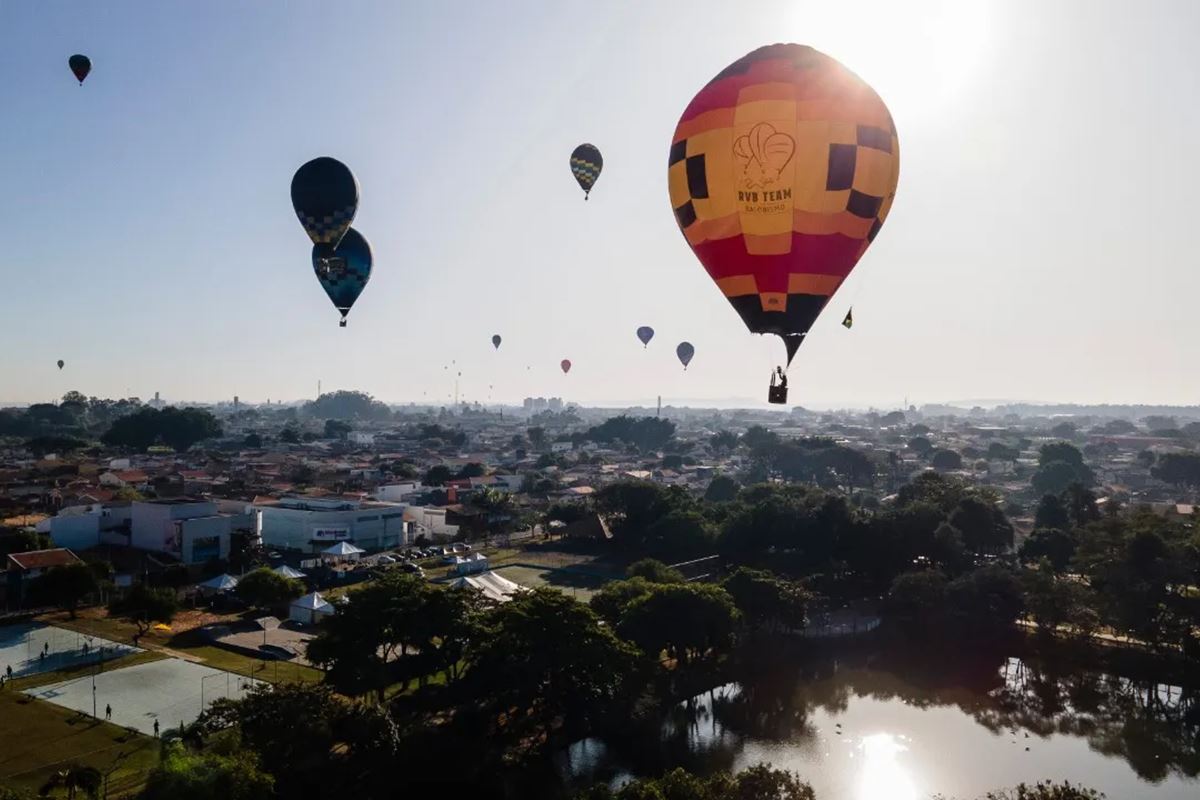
point(579, 585)
point(32, 648)
point(170, 690)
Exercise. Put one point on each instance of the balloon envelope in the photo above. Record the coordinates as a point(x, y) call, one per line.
point(496, 341)
point(61, 363)
point(781, 172)
point(343, 270)
point(645, 334)
point(586, 163)
point(685, 351)
point(566, 365)
point(325, 197)
point(80, 66)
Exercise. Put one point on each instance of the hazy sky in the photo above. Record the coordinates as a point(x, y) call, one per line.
point(1040, 246)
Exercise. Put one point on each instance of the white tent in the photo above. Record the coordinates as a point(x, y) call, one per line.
point(471, 564)
point(493, 586)
point(310, 609)
point(288, 572)
point(221, 583)
point(343, 550)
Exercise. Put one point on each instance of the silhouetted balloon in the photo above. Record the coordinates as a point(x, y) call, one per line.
point(566, 365)
point(343, 270)
point(685, 351)
point(496, 341)
point(586, 163)
point(61, 363)
point(80, 67)
point(645, 334)
point(781, 172)
point(325, 196)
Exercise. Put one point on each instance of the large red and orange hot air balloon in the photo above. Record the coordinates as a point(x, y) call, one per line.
point(782, 171)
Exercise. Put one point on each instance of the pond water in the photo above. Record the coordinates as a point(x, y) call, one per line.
point(860, 733)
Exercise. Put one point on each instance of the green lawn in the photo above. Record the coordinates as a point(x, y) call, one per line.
point(270, 671)
point(41, 738)
point(578, 585)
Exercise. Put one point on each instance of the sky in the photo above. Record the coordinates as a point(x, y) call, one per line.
point(1040, 246)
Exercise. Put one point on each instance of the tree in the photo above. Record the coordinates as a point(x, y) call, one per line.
point(536, 436)
point(347, 405)
point(672, 461)
point(759, 782)
point(892, 418)
point(1055, 546)
point(723, 441)
point(920, 445)
point(337, 429)
point(41, 445)
point(438, 475)
point(543, 657)
point(73, 780)
point(681, 534)
point(984, 602)
point(472, 470)
point(647, 433)
point(998, 451)
point(1064, 430)
point(290, 436)
point(186, 775)
point(1054, 477)
point(1051, 513)
point(654, 571)
point(1180, 469)
point(721, 489)
point(264, 588)
point(946, 459)
point(684, 619)
point(614, 597)
point(144, 606)
point(66, 586)
point(252, 441)
point(177, 428)
point(984, 527)
point(765, 599)
point(916, 603)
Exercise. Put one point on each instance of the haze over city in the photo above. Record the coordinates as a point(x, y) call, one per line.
point(1038, 247)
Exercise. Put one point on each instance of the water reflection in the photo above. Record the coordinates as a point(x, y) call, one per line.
point(860, 733)
point(883, 776)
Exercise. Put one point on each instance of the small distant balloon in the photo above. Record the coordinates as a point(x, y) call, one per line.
point(61, 363)
point(645, 334)
point(586, 163)
point(80, 66)
point(325, 197)
point(566, 365)
point(685, 351)
point(496, 341)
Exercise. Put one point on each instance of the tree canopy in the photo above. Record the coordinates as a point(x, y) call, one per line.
point(174, 427)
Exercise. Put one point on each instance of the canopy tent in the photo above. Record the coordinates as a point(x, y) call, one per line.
point(310, 609)
point(343, 550)
point(494, 587)
point(222, 583)
point(288, 572)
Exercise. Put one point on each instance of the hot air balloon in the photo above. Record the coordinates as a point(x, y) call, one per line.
point(781, 172)
point(848, 322)
point(566, 365)
point(325, 196)
point(685, 351)
point(80, 67)
point(496, 341)
point(586, 163)
point(61, 363)
point(645, 334)
point(343, 270)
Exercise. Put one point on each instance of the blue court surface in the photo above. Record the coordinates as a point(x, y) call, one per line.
point(31, 648)
point(170, 690)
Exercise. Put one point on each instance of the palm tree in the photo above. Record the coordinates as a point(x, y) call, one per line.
point(75, 778)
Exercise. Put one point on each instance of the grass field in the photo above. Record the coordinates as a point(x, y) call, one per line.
point(41, 738)
point(579, 586)
point(270, 671)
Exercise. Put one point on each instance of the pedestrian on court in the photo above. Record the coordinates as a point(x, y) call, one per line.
point(8, 671)
point(155, 729)
point(108, 711)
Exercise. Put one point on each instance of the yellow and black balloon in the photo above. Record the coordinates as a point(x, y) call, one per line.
point(586, 164)
point(781, 172)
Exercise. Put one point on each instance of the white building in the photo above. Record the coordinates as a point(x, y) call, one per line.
point(84, 527)
point(398, 492)
point(193, 531)
point(430, 522)
point(312, 524)
point(362, 438)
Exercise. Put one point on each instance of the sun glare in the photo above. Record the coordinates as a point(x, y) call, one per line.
point(883, 777)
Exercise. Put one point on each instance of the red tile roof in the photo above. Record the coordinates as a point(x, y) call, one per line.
point(43, 559)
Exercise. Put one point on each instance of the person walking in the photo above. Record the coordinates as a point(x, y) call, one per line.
point(155, 729)
point(108, 711)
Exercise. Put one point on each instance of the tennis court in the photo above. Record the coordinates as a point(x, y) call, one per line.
point(579, 585)
point(32, 648)
point(171, 690)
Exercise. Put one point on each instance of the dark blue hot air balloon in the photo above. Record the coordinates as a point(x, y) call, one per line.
point(343, 270)
point(325, 196)
point(80, 66)
point(496, 341)
point(645, 334)
point(685, 351)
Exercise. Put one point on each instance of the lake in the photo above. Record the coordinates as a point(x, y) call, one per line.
point(857, 731)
